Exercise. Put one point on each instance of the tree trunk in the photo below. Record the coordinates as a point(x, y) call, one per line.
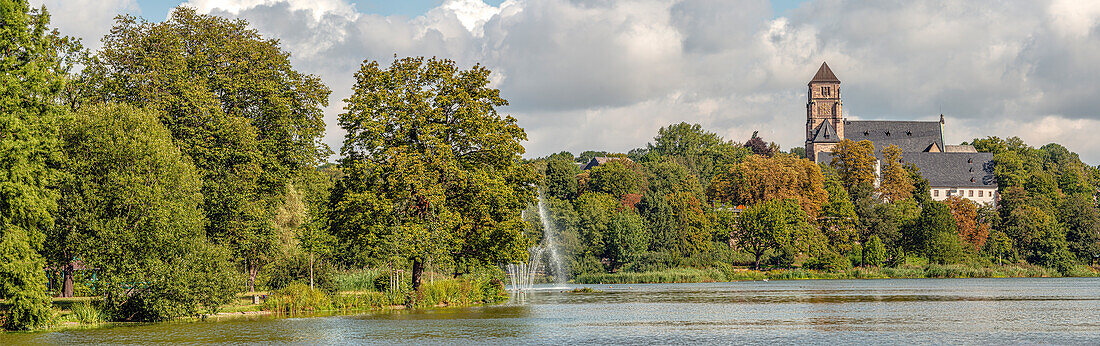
point(67, 284)
point(252, 271)
point(758, 254)
point(310, 271)
point(418, 270)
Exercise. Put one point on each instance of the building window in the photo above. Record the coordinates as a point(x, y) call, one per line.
point(971, 194)
point(824, 91)
point(981, 193)
point(935, 193)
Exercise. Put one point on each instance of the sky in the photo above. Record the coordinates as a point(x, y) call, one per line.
point(606, 74)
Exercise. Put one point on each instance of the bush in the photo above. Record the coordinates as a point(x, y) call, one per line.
point(285, 270)
point(173, 287)
point(828, 261)
point(360, 280)
point(297, 297)
point(87, 313)
point(675, 275)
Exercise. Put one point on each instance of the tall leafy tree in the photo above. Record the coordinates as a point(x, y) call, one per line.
point(560, 179)
point(855, 162)
point(773, 225)
point(432, 168)
point(896, 184)
point(937, 235)
point(32, 78)
point(615, 178)
point(970, 226)
point(702, 152)
point(232, 102)
point(759, 146)
point(627, 238)
point(758, 178)
point(132, 207)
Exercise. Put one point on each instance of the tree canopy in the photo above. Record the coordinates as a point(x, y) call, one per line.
point(432, 168)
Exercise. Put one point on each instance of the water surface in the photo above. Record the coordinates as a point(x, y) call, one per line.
point(921, 311)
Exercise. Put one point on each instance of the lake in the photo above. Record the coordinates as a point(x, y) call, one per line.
point(922, 311)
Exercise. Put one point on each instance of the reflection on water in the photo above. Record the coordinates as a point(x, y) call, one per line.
point(998, 311)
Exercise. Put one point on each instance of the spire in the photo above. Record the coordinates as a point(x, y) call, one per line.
point(824, 74)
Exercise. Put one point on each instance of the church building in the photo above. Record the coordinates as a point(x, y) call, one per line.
point(951, 170)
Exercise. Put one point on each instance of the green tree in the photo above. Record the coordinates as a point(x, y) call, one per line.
point(1082, 221)
point(132, 202)
point(32, 78)
point(702, 152)
point(772, 225)
point(432, 168)
point(874, 253)
point(937, 234)
point(838, 218)
point(627, 238)
point(616, 179)
point(560, 179)
point(233, 103)
point(1000, 246)
point(896, 184)
point(855, 162)
point(595, 212)
point(23, 283)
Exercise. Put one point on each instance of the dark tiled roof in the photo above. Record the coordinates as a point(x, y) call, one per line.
point(602, 160)
point(825, 74)
point(826, 133)
point(954, 169)
point(910, 136)
point(947, 169)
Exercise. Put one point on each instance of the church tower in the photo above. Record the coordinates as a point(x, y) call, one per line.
point(824, 113)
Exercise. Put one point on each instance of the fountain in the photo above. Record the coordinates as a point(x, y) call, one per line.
point(549, 239)
point(523, 274)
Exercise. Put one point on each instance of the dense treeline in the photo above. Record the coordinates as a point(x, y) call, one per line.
point(693, 199)
point(181, 164)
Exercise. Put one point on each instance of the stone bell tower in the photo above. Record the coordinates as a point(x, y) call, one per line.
point(824, 113)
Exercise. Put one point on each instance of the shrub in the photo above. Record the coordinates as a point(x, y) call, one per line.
point(360, 280)
point(828, 261)
point(87, 313)
point(297, 297)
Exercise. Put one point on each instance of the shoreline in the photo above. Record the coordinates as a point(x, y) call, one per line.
point(710, 275)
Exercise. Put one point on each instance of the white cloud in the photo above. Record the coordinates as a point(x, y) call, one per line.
point(318, 8)
point(604, 75)
point(89, 20)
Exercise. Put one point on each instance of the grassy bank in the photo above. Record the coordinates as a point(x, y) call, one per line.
point(687, 275)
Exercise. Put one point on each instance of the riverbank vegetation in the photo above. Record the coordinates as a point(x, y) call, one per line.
point(699, 208)
point(178, 171)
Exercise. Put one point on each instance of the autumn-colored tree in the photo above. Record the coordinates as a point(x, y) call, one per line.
point(896, 184)
point(759, 178)
point(972, 230)
point(855, 162)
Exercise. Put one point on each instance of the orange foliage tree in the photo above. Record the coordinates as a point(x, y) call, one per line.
point(759, 178)
point(970, 227)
